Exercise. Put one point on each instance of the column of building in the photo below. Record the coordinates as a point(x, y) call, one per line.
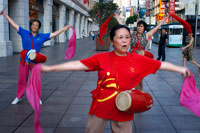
point(86, 26)
point(71, 22)
point(82, 24)
point(89, 27)
point(77, 25)
point(62, 22)
point(6, 46)
point(48, 19)
point(19, 13)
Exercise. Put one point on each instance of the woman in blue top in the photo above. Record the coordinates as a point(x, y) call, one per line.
point(38, 40)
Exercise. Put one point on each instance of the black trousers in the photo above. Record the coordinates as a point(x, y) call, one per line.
point(161, 53)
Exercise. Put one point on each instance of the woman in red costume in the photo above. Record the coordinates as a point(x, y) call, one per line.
point(139, 40)
point(117, 71)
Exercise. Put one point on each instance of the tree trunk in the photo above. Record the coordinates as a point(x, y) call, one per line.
point(106, 43)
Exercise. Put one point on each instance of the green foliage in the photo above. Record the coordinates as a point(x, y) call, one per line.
point(102, 11)
point(131, 19)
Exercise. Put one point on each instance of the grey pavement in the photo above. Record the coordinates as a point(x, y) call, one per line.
point(66, 98)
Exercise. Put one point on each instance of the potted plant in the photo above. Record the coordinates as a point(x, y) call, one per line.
point(100, 13)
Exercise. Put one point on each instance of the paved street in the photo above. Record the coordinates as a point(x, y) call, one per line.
point(66, 98)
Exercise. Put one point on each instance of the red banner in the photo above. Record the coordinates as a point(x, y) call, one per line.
point(171, 6)
point(162, 8)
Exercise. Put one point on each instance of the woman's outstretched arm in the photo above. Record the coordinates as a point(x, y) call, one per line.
point(154, 30)
point(174, 68)
point(67, 66)
point(12, 23)
point(56, 33)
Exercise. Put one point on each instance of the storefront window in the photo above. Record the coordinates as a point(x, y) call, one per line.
point(36, 11)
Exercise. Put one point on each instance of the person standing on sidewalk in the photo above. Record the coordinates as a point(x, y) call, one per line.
point(29, 38)
point(149, 43)
point(162, 44)
point(188, 52)
point(113, 78)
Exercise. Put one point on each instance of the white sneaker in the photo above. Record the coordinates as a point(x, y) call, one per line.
point(16, 100)
point(40, 102)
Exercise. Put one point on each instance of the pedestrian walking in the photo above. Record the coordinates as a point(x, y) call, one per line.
point(188, 52)
point(32, 41)
point(92, 34)
point(162, 44)
point(83, 34)
point(113, 78)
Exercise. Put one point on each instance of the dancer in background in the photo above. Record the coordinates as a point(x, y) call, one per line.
point(149, 43)
point(113, 78)
point(140, 40)
point(32, 41)
point(188, 52)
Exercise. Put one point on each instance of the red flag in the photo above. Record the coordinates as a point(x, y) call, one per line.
point(103, 29)
point(33, 93)
point(70, 51)
point(85, 1)
point(185, 24)
point(190, 95)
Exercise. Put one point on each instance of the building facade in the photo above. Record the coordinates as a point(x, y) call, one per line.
point(53, 14)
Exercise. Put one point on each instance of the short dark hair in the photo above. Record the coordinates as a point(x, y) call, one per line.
point(35, 20)
point(115, 28)
point(141, 22)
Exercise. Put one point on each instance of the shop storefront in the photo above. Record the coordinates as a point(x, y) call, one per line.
point(36, 11)
point(55, 19)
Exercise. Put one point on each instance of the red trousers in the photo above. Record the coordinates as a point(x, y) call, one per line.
point(23, 78)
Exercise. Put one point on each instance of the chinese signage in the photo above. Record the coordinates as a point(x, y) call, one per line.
point(171, 6)
point(162, 8)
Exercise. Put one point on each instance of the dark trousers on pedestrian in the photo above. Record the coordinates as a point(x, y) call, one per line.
point(161, 53)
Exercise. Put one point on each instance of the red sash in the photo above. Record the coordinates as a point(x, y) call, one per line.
point(139, 48)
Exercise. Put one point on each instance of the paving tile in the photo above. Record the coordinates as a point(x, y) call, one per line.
point(47, 119)
point(156, 131)
point(177, 111)
point(82, 100)
point(154, 111)
point(84, 93)
point(169, 101)
point(185, 122)
point(78, 109)
point(188, 131)
point(166, 93)
point(7, 129)
point(78, 121)
point(11, 119)
point(31, 130)
point(145, 122)
point(69, 130)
